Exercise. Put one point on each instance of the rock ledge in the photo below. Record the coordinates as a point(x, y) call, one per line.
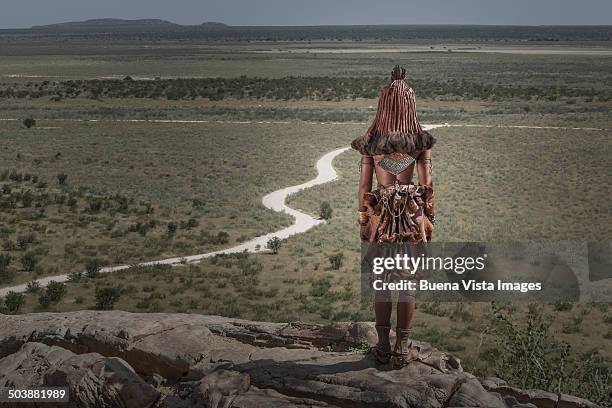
point(121, 359)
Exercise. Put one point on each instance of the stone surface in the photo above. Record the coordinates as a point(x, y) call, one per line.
point(183, 361)
point(541, 399)
point(93, 380)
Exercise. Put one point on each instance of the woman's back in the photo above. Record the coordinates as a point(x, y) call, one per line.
point(394, 168)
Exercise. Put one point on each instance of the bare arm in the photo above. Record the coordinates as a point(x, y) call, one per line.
point(424, 169)
point(365, 179)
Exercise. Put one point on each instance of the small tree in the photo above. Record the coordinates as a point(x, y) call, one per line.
point(274, 244)
point(172, 227)
point(55, 291)
point(29, 122)
point(106, 297)
point(61, 178)
point(13, 302)
point(93, 267)
point(335, 260)
point(325, 210)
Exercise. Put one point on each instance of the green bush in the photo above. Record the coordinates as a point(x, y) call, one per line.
point(106, 297)
point(29, 122)
point(61, 178)
point(274, 244)
point(335, 260)
point(13, 301)
point(325, 210)
point(532, 358)
point(32, 286)
point(29, 261)
point(93, 267)
point(5, 262)
point(320, 287)
point(172, 227)
point(55, 291)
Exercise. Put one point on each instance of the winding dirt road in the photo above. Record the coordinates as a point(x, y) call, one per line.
point(274, 201)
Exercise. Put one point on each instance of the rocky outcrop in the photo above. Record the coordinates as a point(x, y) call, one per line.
point(121, 359)
point(93, 380)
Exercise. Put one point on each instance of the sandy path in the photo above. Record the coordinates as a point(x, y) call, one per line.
point(274, 201)
point(280, 122)
point(595, 51)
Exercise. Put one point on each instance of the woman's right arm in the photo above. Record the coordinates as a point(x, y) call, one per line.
point(365, 181)
point(424, 172)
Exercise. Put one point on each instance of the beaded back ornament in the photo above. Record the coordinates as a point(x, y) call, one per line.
point(396, 163)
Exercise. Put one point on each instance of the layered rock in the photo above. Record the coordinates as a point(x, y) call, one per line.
point(182, 360)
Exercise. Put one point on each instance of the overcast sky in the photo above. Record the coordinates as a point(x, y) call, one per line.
point(25, 13)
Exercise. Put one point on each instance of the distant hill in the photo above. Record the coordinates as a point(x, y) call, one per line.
point(116, 24)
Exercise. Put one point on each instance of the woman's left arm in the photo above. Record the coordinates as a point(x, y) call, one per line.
point(365, 184)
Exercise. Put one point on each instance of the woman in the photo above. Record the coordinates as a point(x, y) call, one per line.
point(397, 211)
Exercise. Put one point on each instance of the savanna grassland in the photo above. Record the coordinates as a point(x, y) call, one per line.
point(102, 177)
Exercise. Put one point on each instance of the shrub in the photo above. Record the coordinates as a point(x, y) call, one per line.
point(55, 291)
point(562, 306)
point(75, 276)
point(172, 227)
point(27, 199)
point(274, 244)
point(5, 261)
point(325, 210)
point(93, 267)
point(189, 224)
point(532, 358)
point(221, 238)
point(24, 240)
point(13, 302)
point(320, 287)
point(32, 286)
point(29, 122)
point(106, 297)
point(43, 300)
point(335, 260)
point(61, 178)
point(52, 293)
point(29, 261)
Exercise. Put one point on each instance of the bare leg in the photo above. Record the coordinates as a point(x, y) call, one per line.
point(405, 311)
point(402, 352)
point(382, 311)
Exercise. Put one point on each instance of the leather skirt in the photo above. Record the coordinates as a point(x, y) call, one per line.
point(399, 213)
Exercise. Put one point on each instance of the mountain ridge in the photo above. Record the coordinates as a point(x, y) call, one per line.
point(118, 23)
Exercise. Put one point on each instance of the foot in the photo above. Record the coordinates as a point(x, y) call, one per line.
point(381, 354)
point(403, 352)
point(382, 350)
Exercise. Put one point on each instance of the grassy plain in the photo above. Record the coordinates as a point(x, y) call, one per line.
point(127, 181)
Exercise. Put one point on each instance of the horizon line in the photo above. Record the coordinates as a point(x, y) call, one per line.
point(307, 25)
